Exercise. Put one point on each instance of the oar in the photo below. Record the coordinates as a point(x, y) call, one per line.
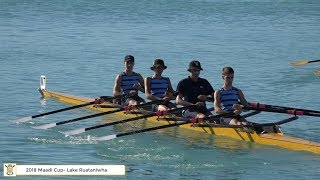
point(109, 137)
point(96, 101)
point(317, 72)
point(81, 130)
point(275, 123)
point(303, 62)
point(259, 105)
point(251, 125)
point(285, 111)
point(181, 118)
point(50, 125)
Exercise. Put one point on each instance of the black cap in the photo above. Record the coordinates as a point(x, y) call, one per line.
point(194, 64)
point(158, 62)
point(129, 58)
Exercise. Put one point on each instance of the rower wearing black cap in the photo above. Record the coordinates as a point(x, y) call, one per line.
point(128, 83)
point(194, 90)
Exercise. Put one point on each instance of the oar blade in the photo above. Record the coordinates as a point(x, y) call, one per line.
point(74, 132)
point(317, 73)
point(25, 119)
point(46, 126)
point(300, 63)
point(105, 138)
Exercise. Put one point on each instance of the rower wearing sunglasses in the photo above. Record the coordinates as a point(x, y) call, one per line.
point(194, 90)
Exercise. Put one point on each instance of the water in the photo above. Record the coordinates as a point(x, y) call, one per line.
point(80, 45)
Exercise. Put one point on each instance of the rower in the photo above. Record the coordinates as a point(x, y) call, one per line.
point(227, 99)
point(158, 87)
point(128, 83)
point(194, 90)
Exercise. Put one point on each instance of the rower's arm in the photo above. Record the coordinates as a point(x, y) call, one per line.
point(217, 103)
point(211, 99)
point(171, 91)
point(117, 86)
point(242, 99)
point(141, 87)
point(148, 94)
point(182, 102)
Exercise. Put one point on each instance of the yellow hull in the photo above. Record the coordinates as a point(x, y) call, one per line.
point(275, 139)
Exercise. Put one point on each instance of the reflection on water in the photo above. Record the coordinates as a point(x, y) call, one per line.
point(43, 103)
point(203, 140)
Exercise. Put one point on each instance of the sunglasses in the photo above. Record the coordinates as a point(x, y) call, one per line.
point(229, 77)
point(158, 67)
point(194, 70)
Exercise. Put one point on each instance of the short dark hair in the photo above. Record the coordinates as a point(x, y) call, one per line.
point(227, 70)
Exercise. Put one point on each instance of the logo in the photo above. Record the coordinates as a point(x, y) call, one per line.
point(9, 169)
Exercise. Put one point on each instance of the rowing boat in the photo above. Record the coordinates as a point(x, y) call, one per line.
point(245, 134)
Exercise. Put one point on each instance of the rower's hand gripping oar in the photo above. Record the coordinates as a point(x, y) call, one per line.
point(159, 113)
point(96, 101)
point(303, 62)
point(109, 137)
point(126, 108)
point(317, 72)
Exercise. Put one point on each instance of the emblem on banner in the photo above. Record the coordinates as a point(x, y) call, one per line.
point(9, 169)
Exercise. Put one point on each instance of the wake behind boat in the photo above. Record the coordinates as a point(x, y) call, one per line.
point(274, 137)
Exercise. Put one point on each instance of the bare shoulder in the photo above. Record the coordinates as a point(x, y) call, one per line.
point(118, 76)
point(140, 76)
point(239, 90)
point(216, 95)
